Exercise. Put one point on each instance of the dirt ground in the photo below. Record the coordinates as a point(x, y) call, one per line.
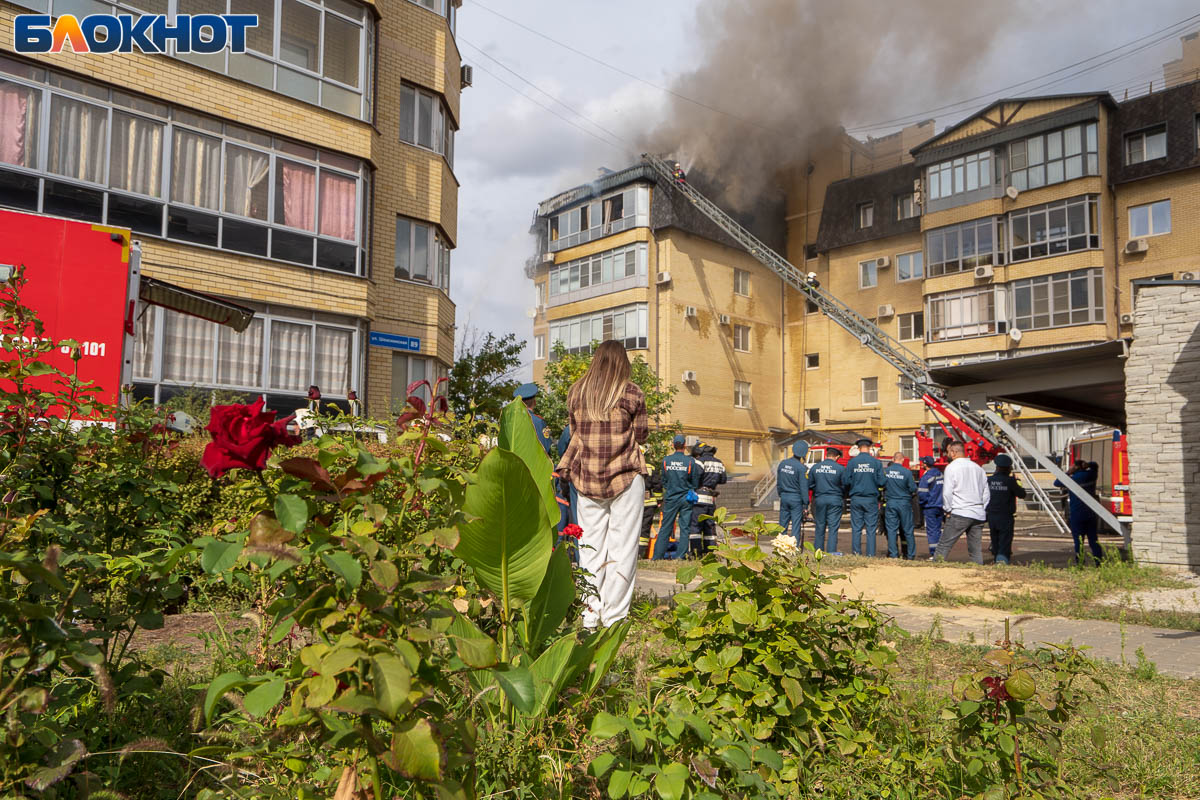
point(899, 583)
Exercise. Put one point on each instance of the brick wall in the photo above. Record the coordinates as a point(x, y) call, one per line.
point(1162, 386)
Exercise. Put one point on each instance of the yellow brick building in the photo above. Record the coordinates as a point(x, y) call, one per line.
point(310, 178)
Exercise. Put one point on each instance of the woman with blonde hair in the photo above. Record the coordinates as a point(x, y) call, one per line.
point(604, 464)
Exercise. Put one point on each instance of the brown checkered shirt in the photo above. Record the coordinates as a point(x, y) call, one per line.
point(603, 457)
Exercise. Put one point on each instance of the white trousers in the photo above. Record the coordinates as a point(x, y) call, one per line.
point(608, 551)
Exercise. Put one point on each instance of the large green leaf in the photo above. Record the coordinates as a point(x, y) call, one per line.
point(607, 644)
point(217, 689)
point(550, 672)
point(508, 540)
point(264, 697)
point(517, 435)
point(392, 682)
point(517, 683)
point(549, 608)
point(671, 781)
point(416, 753)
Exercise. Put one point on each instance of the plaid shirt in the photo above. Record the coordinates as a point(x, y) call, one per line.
point(604, 457)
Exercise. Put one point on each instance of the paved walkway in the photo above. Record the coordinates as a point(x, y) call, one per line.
point(1175, 653)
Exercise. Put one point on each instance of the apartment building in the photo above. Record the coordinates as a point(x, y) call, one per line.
point(310, 178)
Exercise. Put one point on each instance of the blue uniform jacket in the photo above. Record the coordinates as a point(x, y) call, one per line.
point(898, 483)
point(539, 428)
point(792, 478)
point(1087, 479)
point(828, 479)
point(681, 474)
point(929, 493)
point(564, 441)
point(864, 475)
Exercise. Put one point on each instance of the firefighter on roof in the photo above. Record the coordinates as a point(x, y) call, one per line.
point(678, 174)
point(864, 479)
point(792, 481)
point(712, 474)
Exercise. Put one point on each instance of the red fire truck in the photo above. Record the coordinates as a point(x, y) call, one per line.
point(1109, 448)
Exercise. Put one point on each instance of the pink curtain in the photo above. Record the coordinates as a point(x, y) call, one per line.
point(299, 196)
point(338, 207)
point(14, 104)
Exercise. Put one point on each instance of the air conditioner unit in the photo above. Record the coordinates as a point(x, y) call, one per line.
point(1127, 319)
point(1187, 276)
point(1137, 246)
point(886, 310)
point(883, 262)
point(723, 319)
point(547, 258)
point(689, 311)
point(662, 277)
point(689, 376)
point(985, 271)
point(466, 75)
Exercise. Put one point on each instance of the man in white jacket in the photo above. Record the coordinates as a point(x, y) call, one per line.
point(964, 497)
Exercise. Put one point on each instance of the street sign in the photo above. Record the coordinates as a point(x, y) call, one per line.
point(394, 341)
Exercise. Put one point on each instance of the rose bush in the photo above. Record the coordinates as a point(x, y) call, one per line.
point(243, 436)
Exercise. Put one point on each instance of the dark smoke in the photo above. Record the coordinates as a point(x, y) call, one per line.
point(791, 73)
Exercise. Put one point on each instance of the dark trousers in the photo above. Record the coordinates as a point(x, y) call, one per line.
point(649, 515)
point(864, 518)
point(674, 508)
point(791, 513)
point(933, 527)
point(899, 520)
point(1000, 526)
point(1083, 524)
point(703, 533)
point(827, 516)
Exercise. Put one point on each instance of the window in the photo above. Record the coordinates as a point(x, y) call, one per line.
point(443, 8)
point(422, 254)
point(959, 175)
point(912, 326)
point(109, 163)
point(607, 215)
point(407, 370)
point(910, 266)
point(810, 307)
point(741, 394)
point(539, 346)
point(867, 275)
point(906, 207)
point(956, 248)
point(741, 338)
point(866, 215)
point(812, 416)
point(1146, 145)
point(609, 268)
point(908, 448)
point(870, 391)
point(741, 282)
point(1151, 219)
point(812, 361)
point(909, 393)
point(425, 121)
point(741, 452)
point(1053, 157)
point(625, 324)
point(1054, 301)
point(539, 294)
point(957, 315)
point(1055, 228)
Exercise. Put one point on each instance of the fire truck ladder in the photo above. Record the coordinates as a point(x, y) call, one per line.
point(911, 366)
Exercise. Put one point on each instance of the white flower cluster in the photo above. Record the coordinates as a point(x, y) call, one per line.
point(785, 547)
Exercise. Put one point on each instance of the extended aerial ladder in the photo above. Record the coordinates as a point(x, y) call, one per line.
point(992, 433)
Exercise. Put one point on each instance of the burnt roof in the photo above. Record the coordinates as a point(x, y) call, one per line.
point(1176, 108)
point(839, 217)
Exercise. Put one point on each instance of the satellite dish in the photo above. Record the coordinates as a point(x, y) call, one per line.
point(531, 313)
point(1012, 192)
point(1015, 334)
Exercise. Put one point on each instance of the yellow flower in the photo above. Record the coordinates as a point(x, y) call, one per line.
point(460, 591)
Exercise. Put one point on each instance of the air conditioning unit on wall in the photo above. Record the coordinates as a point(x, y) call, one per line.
point(547, 258)
point(1137, 246)
point(886, 310)
point(883, 262)
point(689, 376)
point(1127, 319)
point(689, 312)
point(984, 272)
point(1187, 276)
point(662, 277)
point(723, 319)
point(466, 75)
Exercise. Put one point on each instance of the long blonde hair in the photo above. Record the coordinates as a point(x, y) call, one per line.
point(597, 392)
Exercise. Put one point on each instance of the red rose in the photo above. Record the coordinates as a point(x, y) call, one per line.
point(573, 531)
point(996, 689)
point(243, 437)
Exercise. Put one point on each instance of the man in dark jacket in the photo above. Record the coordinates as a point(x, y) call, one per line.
point(1002, 508)
point(929, 495)
point(829, 488)
point(681, 476)
point(1081, 519)
point(898, 490)
point(712, 475)
point(864, 479)
point(792, 483)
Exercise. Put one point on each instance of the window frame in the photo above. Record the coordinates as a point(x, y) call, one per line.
point(874, 268)
point(1149, 219)
point(912, 317)
point(869, 385)
point(743, 452)
point(908, 199)
point(906, 386)
point(438, 252)
point(866, 214)
point(559, 276)
point(956, 171)
point(741, 395)
point(990, 326)
point(441, 137)
point(539, 347)
point(1018, 153)
point(809, 414)
point(962, 263)
point(917, 275)
point(741, 282)
point(739, 332)
point(1143, 136)
point(640, 338)
point(1044, 213)
point(809, 363)
point(1093, 307)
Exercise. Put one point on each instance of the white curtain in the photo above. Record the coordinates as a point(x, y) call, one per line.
point(18, 124)
point(136, 164)
point(291, 356)
point(239, 355)
point(333, 361)
point(195, 169)
point(246, 182)
point(78, 139)
point(187, 349)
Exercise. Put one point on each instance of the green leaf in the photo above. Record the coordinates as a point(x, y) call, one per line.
point(1020, 685)
point(292, 512)
point(517, 683)
point(553, 600)
point(392, 681)
point(967, 707)
point(550, 672)
point(1000, 658)
point(477, 652)
point(508, 540)
point(606, 726)
point(416, 753)
point(768, 756)
point(743, 612)
point(385, 575)
point(618, 784)
point(601, 764)
point(974, 766)
point(729, 657)
point(684, 575)
point(321, 690)
point(344, 566)
point(517, 436)
point(217, 689)
point(698, 725)
point(793, 690)
point(607, 645)
point(735, 757)
point(219, 556)
point(671, 781)
point(1007, 744)
point(1099, 737)
point(264, 697)
point(339, 659)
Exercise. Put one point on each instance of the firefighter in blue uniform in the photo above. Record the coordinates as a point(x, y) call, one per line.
point(829, 488)
point(712, 475)
point(565, 491)
point(1003, 492)
point(528, 392)
point(929, 496)
point(680, 477)
point(1081, 519)
point(864, 479)
point(792, 482)
point(898, 490)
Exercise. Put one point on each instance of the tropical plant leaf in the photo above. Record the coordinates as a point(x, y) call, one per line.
point(517, 435)
point(550, 672)
point(517, 683)
point(607, 645)
point(549, 608)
